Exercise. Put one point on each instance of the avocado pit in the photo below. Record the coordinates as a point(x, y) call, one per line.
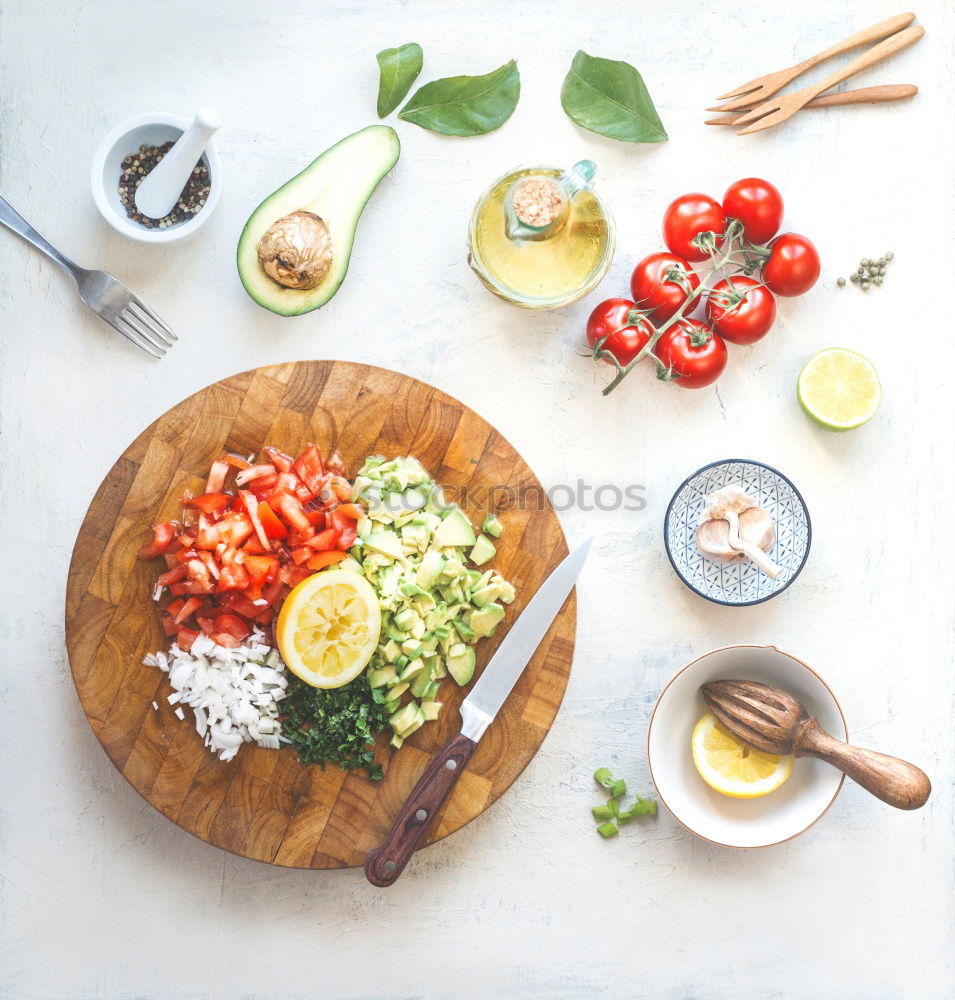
point(296, 250)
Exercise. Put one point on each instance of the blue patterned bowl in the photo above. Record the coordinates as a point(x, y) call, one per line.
point(738, 583)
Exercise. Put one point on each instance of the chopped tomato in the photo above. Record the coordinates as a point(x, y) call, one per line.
point(301, 554)
point(174, 575)
point(252, 507)
point(162, 535)
point(322, 559)
point(325, 540)
point(169, 625)
point(216, 481)
point(351, 510)
point(279, 459)
point(316, 518)
point(274, 589)
point(341, 488)
point(233, 576)
point(190, 587)
point(254, 472)
point(209, 503)
point(347, 538)
point(188, 608)
point(310, 469)
point(261, 569)
point(174, 607)
point(186, 637)
point(271, 524)
point(236, 461)
point(292, 511)
point(241, 605)
point(231, 627)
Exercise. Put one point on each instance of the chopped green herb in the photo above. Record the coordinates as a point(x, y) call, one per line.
point(335, 725)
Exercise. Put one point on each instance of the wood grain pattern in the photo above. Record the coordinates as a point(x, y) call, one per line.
point(265, 805)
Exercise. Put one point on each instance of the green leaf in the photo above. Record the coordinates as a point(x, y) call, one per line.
point(399, 69)
point(610, 98)
point(466, 105)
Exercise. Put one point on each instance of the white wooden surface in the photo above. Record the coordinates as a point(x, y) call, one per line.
point(102, 897)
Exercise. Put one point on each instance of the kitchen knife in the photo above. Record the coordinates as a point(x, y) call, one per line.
point(384, 864)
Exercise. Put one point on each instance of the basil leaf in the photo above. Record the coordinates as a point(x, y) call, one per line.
point(610, 98)
point(399, 68)
point(466, 105)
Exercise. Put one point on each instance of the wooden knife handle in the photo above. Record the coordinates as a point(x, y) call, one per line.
point(883, 50)
point(895, 781)
point(384, 864)
point(872, 34)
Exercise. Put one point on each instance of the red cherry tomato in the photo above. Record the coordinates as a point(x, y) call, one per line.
point(793, 267)
point(612, 322)
point(654, 291)
point(758, 205)
point(740, 320)
point(687, 217)
point(693, 352)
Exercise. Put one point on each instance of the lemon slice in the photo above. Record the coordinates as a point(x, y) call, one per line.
point(732, 767)
point(839, 389)
point(328, 628)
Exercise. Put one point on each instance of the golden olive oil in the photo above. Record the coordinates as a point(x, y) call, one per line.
point(541, 273)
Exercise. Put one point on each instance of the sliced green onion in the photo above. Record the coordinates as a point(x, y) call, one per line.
point(618, 788)
point(603, 777)
point(607, 830)
point(603, 813)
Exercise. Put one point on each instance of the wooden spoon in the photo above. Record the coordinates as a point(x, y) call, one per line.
point(774, 722)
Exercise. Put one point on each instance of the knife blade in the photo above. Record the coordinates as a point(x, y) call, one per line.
point(384, 864)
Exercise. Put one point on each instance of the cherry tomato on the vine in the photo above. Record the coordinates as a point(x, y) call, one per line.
point(626, 333)
point(694, 353)
point(793, 267)
point(758, 205)
point(654, 291)
point(740, 310)
point(687, 217)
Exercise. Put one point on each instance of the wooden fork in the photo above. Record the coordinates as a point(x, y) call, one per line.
point(779, 109)
point(765, 86)
point(864, 95)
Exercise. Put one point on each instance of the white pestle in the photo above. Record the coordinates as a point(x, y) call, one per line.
point(157, 195)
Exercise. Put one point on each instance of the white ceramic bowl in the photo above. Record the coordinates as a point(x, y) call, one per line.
point(152, 128)
point(795, 805)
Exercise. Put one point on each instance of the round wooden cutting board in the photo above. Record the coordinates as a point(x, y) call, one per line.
point(265, 805)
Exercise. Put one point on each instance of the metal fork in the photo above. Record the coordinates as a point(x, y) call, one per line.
point(756, 91)
point(107, 296)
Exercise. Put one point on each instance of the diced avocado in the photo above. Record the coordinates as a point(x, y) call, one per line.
point(432, 566)
point(386, 542)
point(455, 529)
point(461, 665)
point(486, 595)
point(391, 651)
point(464, 630)
point(457, 649)
point(442, 631)
point(439, 671)
point(421, 683)
point(405, 717)
point(453, 568)
point(506, 590)
point(397, 690)
point(432, 692)
point(483, 551)
point(414, 727)
point(414, 667)
point(397, 742)
point(483, 620)
point(431, 710)
point(404, 619)
point(333, 189)
point(410, 647)
point(492, 526)
point(382, 677)
point(391, 706)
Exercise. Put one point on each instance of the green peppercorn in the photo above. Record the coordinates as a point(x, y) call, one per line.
point(841, 282)
point(854, 278)
point(889, 256)
point(877, 279)
point(865, 286)
point(864, 262)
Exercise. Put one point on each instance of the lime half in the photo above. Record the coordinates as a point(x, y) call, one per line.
point(839, 389)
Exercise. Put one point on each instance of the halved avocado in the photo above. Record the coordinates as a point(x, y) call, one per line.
point(317, 212)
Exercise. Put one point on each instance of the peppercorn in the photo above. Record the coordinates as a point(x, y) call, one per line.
point(137, 165)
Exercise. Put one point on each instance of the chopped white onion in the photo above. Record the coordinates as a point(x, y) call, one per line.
point(233, 692)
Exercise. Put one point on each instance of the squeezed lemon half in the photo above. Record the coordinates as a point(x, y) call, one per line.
point(732, 767)
point(328, 628)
